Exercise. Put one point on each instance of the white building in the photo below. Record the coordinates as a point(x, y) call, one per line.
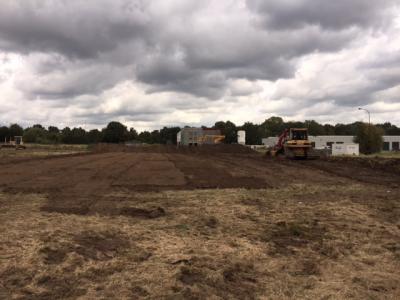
point(345, 149)
point(241, 137)
point(390, 142)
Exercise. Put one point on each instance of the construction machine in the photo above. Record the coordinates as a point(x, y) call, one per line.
point(211, 139)
point(17, 143)
point(292, 143)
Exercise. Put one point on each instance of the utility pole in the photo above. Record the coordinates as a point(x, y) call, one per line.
point(369, 115)
point(368, 129)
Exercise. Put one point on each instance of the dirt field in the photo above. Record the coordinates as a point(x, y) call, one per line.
point(202, 223)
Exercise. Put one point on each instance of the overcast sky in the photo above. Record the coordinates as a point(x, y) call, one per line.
point(155, 63)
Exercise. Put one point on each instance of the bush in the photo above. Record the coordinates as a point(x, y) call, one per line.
point(369, 137)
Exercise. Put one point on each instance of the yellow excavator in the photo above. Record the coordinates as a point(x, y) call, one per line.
point(211, 139)
point(293, 143)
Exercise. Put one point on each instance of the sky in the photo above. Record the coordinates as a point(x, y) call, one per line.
point(155, 63)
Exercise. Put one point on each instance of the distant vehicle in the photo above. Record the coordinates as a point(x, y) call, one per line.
point(292, 143)
point(17, 143)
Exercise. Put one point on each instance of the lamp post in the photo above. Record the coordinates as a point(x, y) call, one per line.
point(369, 115)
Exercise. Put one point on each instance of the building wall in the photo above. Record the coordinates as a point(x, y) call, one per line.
point(322, 141)
point(345, 149)
point(390, 142)
point(193, 136)
point(241, 136)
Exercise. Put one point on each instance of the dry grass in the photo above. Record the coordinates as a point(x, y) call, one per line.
point(287, 243)
point(36, 150)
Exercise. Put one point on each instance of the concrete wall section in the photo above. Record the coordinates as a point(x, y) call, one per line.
point(345, 149)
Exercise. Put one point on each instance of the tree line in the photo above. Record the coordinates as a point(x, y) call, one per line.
point(116, 132)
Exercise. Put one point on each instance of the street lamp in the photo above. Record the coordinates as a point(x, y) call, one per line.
point(369, 115)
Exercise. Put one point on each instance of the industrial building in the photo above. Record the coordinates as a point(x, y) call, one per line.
point(390, 142)
point(241, 137)
point(190, 136)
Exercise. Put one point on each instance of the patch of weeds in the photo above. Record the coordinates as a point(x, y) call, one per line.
point(239, 272)
point(182, 227)
point(150, 213)
point(59, 287)
point(211, 222)
point(138, 291)
point(394, 248)
point(190, 275)
point(91, 245)
point(307, 267)
point(14, 278)
point(100, 245)
point(285, 237)
point(54, 255)
point(234, 280)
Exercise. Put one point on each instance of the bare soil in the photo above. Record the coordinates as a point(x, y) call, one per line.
point(198, 223)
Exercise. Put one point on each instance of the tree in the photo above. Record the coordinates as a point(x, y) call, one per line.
point(4, 133)
point(369, 137)
point(145, 137)
point(74, 136)
point(229, 130)
point(155, 137)
point(329, 129)
point(168, 135)
point(389, 128)
point(35, 135)
point(132, 134)
point(314, 128)
point(53, 129)
point(53, 135)
point(15, 130)
point(38, 126)
point(115, 132)
point(252, 133)
point(94, 136)
point(273, 126)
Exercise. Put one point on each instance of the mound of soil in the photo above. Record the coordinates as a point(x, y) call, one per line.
point(389, 165)
point(203, 149)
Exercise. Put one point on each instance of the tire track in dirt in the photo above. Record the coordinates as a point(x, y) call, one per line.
point(203, 171)
point(156, 172)
point(80, 197)
point(277, 173)
point(351, 171)
point(51, 175)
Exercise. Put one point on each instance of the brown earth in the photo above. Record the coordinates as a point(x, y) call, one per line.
point(197, 223)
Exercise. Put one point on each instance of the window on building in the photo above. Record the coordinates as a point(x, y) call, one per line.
point(386, 146)
point(313, 144)
point(339, 143)
point(395, 146)
point(329, 144)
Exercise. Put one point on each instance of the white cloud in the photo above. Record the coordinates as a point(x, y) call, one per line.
point(160, 63)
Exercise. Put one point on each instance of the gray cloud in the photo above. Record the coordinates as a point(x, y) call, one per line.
point(332, 15)
point(77, 50)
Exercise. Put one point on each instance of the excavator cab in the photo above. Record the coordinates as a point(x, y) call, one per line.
point(298, 134)
point(297, 144)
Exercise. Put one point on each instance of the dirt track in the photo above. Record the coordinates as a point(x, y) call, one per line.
point(76, 183)
point(195, 223)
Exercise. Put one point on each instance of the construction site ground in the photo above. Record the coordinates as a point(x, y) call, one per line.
point(218, 222)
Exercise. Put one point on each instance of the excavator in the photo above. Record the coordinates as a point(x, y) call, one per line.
point(211, 139)
point(293, 143)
